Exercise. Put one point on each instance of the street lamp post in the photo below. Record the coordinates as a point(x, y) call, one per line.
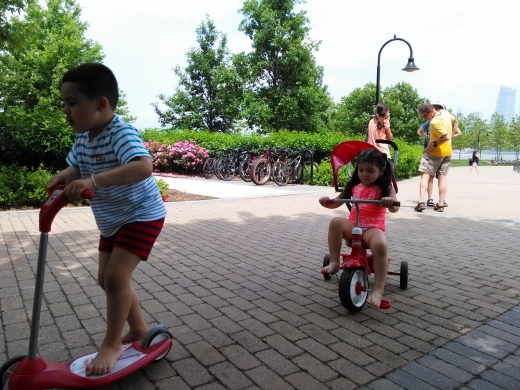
point(410, 66)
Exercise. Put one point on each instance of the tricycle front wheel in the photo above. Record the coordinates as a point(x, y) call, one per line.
point(353, 288)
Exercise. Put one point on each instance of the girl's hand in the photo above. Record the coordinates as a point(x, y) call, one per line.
point(74, 189)
point(387, 202)
point(324, 200)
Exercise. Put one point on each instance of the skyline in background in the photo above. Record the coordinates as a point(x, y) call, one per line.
point(463, 59)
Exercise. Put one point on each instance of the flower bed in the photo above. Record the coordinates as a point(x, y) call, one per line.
point(181, 157)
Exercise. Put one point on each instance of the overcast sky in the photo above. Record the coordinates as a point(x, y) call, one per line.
point(465, 49)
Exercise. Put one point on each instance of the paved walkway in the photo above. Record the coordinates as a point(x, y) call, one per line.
point(237, 282)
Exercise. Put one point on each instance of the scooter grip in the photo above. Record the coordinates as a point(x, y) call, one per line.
point(87, 194)
point(330, 201)
point(396, 203)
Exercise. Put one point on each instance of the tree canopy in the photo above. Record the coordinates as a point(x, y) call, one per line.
point(287, 89)
point(8, 7)
point(209, 92)
point(352, 114)
point(30, 76)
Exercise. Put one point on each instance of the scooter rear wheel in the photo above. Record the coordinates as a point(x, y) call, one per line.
point(353, 288)
point(156, 335)
point(8, 367)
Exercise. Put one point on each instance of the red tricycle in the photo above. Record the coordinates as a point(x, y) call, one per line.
point(357, 265)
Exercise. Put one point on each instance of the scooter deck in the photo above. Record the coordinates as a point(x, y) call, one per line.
point(130, 356)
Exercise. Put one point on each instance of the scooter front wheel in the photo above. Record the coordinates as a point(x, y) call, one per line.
point(156, 335)
point(353, 288)
point(7, 368)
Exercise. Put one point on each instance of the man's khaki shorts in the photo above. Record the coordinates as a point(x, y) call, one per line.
point(434, 165)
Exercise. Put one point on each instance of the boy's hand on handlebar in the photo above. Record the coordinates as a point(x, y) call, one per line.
point(74, 190)
point(53, 182)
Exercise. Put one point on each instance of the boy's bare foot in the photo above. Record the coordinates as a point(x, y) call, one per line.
point(374, 300)
point(331, 269)
point(133, 335)
point(104, 360)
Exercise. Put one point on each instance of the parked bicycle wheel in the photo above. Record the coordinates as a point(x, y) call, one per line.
point(218, 169)
point(261, 171)
point(244, 169)
point(226, 167)
point(280, 173)
point(207, 168)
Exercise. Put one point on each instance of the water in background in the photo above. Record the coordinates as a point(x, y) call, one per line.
point(485, 155)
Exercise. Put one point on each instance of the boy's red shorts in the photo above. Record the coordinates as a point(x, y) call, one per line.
point(136, 237)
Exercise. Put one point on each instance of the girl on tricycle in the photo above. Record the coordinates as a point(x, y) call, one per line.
point(372, 180)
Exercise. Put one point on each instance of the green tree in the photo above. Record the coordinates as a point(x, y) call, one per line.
point(209, 91)
point(404, 101)
point(287, 90)
point(11, 7)
point(474, 132)
point(514, 132)
point(32, 125)
point(352, 114)
point(354, 111)
point(498, 134)
point(122, 109)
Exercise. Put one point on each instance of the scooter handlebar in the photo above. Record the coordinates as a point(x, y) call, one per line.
point(54, 203)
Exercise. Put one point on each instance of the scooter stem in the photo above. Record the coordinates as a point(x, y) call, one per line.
point(38, 296)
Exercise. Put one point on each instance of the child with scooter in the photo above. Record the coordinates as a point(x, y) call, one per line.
point(109, 158)
point(371, 180)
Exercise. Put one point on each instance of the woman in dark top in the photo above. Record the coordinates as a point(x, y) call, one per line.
point(474, 161)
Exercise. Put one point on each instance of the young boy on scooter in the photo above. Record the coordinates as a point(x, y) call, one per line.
point(371, 180)
point(109, 158)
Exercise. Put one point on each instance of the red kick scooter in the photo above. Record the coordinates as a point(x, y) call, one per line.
point(32, 372)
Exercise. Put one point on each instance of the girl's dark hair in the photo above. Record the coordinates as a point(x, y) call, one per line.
point(371, 156)
point(474, 153)
point(380, 113)
point(95, 81)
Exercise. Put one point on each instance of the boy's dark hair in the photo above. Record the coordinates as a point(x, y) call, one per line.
point(95, 81)
point(379, 159)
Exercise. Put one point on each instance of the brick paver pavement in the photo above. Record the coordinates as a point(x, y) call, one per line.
point(237, 283)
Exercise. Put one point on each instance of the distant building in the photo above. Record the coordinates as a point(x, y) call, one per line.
point(506, 103)
point(477, 114)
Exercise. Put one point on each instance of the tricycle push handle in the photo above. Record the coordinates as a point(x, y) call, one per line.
point(332, 201)
point(54, 203)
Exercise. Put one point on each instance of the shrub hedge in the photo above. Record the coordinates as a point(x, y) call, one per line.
point(22, 186)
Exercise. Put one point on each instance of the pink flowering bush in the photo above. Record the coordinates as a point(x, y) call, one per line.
point(183, 156)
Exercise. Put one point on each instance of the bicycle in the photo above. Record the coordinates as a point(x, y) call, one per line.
point(267, 166)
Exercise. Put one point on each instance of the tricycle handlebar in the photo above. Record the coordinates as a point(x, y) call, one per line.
point(332, 201)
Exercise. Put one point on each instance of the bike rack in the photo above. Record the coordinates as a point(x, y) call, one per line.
point(307, 155)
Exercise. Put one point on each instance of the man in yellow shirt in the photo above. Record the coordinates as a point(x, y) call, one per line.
point(437, 155)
